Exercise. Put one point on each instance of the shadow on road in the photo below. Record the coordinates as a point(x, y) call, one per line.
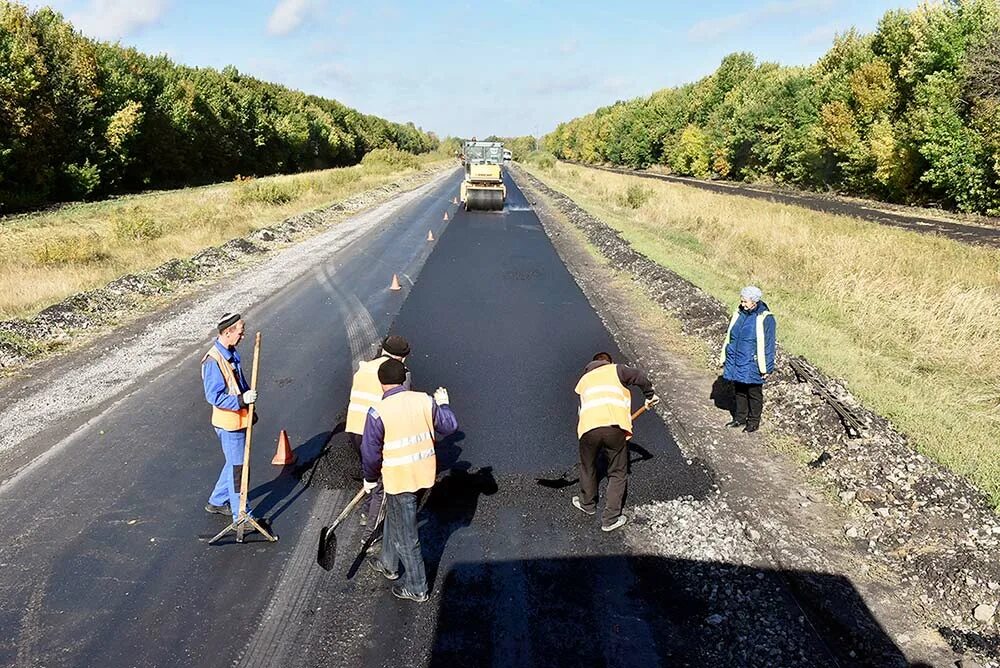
point(723, 395)
point(451, 505)
point(652, 611)
point(272, 498)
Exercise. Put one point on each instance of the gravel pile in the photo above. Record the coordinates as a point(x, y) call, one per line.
point(24, 339)
point(929, 526)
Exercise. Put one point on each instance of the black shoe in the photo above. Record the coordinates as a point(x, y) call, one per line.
point(218, 510)
point(401, 592)
point(750, 428)
point(376, 565)
point(735, 423)
point(364, 519)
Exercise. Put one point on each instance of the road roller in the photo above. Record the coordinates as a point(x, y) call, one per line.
point(483, 188)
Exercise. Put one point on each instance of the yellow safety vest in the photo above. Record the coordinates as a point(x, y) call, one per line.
point(366, 391)
point(221, 417)
point(761, 347)
point(408, 461)
point(604, 401)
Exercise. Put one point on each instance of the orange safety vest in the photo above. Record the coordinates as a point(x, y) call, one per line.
point(604, 401)
point(366, 391)
point(408, 461)
point(221, 417)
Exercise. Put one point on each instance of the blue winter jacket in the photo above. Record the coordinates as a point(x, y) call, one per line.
point(741, 353)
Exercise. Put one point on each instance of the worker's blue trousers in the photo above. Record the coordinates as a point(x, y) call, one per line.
point(227, 489)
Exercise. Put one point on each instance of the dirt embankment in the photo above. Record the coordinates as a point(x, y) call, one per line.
point(900, 519)
point(23, 340)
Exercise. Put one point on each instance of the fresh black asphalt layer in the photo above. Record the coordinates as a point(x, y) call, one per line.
point(518, 576)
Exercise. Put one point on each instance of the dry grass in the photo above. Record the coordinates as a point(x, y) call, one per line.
point(910, 321)
point(46, 257)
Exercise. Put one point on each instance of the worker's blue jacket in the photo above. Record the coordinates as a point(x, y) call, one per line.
point(741, 352)
point(215, 385)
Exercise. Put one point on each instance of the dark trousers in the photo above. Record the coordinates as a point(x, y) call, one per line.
point(610, 440)
point(749, 403)
point(401, 542)
point(371, 507)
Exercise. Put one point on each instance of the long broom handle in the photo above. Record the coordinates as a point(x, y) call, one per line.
point(245, 479)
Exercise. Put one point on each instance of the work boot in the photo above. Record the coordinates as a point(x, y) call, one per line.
point(400, 591)
point(751, 428)
point(614, 524)
point(376, 565)
point(735, 423)
point(218, 510)
point(579, 506)
point(364, 520)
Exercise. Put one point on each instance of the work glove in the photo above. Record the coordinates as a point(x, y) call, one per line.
point(249, 397)
point(369, 486)
point(652, 401)
point(441, 396)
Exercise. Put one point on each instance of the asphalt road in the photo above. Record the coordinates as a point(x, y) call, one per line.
point(105, 560)
point(519, 576)
point(970, 234)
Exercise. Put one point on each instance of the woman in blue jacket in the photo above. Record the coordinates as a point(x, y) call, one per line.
point(748, 356)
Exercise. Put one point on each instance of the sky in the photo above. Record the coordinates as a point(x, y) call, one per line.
point(507, 67)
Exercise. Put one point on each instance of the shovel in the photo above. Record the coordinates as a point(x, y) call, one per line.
point(564, 480)
point(326, 553)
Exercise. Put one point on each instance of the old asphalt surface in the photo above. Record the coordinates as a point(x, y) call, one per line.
point(104, 558)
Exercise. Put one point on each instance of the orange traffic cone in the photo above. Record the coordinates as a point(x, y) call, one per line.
point(430, 235)
point(445, 216)
point(283, 455)
point(395, 283)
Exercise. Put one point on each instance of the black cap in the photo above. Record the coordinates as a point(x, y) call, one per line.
point(396, 345)
point(392, 372)
point(228, 320)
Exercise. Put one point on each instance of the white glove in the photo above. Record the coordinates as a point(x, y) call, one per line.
point(441, 396)
point(249, 396)
point(369, 486)
point(652, 401)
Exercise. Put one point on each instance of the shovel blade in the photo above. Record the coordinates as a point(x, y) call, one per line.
point(326, 553)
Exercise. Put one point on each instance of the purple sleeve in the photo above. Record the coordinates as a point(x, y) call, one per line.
point(445, 422)
point(371, 446)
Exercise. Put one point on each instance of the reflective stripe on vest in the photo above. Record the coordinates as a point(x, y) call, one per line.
point(604, 401)
point(761, 343)
point(366, 391)
point(408, 460)
point(222, 418)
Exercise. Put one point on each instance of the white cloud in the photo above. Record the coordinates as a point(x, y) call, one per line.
point(335, 74)
point(716, 27)
point(288, 15)
point(115, 19)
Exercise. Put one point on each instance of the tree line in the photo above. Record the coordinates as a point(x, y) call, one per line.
point(909, 113)
point(81, 119)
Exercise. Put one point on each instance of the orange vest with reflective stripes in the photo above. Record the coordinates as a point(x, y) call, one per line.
point(366, 391)
point(408, 461)
point(222, 418)
point(604, 401)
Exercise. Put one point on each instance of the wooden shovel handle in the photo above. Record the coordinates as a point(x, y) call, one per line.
point(245, 479)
